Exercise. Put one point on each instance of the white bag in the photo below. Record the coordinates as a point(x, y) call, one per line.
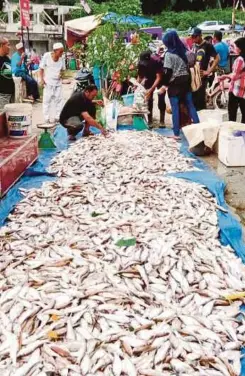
point(140, 102)
point(196, 80)
point(111, 110)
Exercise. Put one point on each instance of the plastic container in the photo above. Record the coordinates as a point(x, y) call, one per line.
point(19, 119)
point(140, 124)
point(217, 115)
point(231, 149)
point(73, 64)
point(97, 76)
point(128, 99)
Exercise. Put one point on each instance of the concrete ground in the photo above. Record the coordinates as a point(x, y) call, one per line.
point(37, 115)
point(235, 180)
point(234, 177)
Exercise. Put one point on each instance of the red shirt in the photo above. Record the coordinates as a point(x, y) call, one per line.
point(189, 42)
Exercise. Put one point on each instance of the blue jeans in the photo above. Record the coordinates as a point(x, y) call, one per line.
point(175, 105)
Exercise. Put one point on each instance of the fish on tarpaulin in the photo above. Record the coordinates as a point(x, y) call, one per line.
point(116, 269)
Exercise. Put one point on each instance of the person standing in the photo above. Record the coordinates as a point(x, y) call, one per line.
point(237, 83)
point(204, 52)
point(150, 70)
point(223, 50)
point(19, 69)
point(79, 113)
point(52, 67)
point(7, 88)
point(34, 60)
point(177, 79)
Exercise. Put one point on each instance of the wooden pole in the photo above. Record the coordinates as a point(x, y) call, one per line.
point(22, 36)
point(234, 14)
point(28, 42)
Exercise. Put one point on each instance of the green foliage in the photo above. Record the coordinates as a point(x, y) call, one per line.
point(184, 20)
point(3, 16)
point(119, 7)
point(96, 9)
point(126, 7)
point(114, 54)
point(126, 242)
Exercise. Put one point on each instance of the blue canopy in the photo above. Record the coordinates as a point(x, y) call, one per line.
point(116, 18)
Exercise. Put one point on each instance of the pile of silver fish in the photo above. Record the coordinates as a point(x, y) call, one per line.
point(115, 269)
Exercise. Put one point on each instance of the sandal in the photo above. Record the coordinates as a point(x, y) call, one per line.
point(176, 138)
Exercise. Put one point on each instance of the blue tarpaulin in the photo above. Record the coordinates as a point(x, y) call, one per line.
point(120, 19)
point(230, 228)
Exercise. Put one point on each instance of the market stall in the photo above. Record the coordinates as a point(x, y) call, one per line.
point(78, 30)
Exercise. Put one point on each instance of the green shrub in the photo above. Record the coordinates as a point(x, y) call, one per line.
point(184, 20)
point(121, 7)
point(113, 54)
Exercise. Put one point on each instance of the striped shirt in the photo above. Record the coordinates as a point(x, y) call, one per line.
point(237, 85)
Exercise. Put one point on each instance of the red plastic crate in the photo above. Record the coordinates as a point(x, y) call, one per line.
point(16, 155)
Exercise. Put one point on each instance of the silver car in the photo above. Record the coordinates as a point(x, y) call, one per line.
point(211, 26)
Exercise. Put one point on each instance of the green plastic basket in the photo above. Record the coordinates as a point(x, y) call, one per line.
point(139, 123)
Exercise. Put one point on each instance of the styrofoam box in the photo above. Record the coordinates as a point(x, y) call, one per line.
point(231, 149)
point(207, 115)
point(230, 126)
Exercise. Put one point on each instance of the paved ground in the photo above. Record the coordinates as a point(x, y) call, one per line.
point(37, 115)
point(234, 177)
point(235, 180)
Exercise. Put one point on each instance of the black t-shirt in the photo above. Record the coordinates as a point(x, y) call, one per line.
point(204, 52)
point(75, 105)
point(6, 80)
point(149, 69)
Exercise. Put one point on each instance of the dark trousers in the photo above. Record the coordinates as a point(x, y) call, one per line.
point(234, 103)
point(161, 106)
point(199, 97)
point(74, 125)
point(31, 84)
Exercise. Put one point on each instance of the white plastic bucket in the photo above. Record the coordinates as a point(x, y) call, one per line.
point(19, 119)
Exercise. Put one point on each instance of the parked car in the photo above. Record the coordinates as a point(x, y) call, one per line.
point(211, 26)
point(239, 28)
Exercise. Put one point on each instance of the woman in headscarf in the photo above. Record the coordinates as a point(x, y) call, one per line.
point(237, 82)
point(177, 79)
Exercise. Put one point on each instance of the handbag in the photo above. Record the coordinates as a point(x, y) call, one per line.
point(196, 79)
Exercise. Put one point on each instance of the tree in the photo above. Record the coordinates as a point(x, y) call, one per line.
point(133, 7)
point(105, 50)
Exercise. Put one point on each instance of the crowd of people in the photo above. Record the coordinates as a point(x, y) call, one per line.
point(177, 64)
point(182, 68)
point(51, 67)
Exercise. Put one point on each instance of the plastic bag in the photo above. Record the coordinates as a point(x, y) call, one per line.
point(110, 114)
point(140, 102)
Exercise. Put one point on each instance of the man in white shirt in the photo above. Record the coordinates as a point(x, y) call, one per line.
point(51, 68)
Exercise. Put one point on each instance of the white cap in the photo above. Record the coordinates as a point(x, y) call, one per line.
point(57, 46)
point(19, 46)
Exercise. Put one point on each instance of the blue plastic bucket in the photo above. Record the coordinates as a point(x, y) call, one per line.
point(128, 99)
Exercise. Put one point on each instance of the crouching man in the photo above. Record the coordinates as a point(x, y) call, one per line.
point(79, 112)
